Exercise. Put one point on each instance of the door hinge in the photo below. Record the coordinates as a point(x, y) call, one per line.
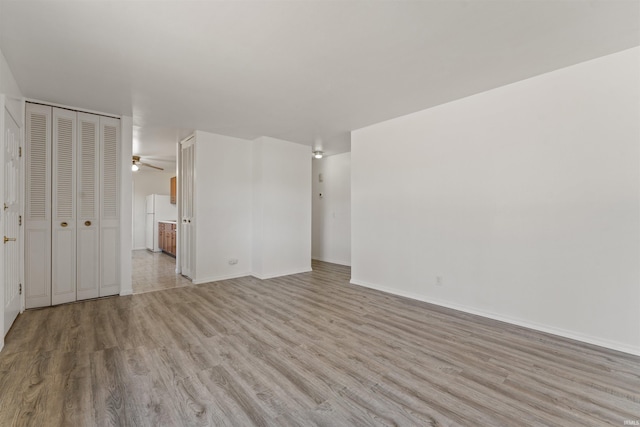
point(20, 289)
point(19, 151)
point(19, 219)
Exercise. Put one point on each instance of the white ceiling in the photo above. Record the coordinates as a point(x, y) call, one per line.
point(304, 71)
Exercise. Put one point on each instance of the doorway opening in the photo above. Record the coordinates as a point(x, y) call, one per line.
point(155, 216)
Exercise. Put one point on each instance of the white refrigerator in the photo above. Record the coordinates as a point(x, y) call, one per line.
point(159, 208)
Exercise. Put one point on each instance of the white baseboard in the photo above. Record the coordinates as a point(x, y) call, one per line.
point(139, 249)
point(332, 261)
point(218, 278)
point(285, 273)
point(625, 348)
point(126, 292)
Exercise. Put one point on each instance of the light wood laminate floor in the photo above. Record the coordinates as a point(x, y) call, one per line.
point(306, 349)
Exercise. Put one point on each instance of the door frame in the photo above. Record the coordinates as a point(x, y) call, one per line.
point(15, 107)
point(179, 196)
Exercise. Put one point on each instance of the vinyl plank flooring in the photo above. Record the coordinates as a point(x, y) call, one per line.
point(300, 350)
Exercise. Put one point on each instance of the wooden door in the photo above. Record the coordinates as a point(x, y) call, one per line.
point(187, 222)
point(88, 227)
point(37, 238)
point(109, 206)
point(12, 221)
point(63, 224)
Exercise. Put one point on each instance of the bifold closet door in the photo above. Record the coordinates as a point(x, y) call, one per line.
point(72, 227)
point(38, 206)
point(109, 206)
point(63, 223)
point(88, 190)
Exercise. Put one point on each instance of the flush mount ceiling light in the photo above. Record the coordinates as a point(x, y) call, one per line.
point(318, 154)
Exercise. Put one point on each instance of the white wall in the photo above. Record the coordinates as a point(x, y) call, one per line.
point(8, 85)
point(146, 182)
point(331, 229)
point(253, 205)
point(10, 98)
point(223, 207)
point(126, 200)
point(524, 199)
point(257, 211)
point(281, 208)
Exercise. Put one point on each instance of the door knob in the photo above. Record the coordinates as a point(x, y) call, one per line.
point(64, 224)
point(9, 239)
point(87, 223)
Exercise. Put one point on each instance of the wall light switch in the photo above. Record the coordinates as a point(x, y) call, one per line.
point(320, 178)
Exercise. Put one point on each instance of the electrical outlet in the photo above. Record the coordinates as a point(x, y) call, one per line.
point(233, 261)
point(438, 280)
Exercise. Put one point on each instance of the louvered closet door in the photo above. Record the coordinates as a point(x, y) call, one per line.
point(38, 206)
point(88, 225)
point(109, 206)
point(63, 224)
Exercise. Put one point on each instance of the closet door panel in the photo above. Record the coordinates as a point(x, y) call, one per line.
point(109, 243)
point(88, 268)
point(38, 206)
point(63, 224)
point(63, 279)
point(109, 206)
point(187, 225)
point(88, 230)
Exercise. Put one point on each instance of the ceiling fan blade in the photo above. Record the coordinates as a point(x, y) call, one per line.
point(150, 166)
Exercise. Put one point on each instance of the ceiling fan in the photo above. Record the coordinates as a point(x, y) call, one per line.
point(135, 165)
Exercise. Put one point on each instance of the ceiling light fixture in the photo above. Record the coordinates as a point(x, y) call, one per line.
point(318, 154)
point(135, 165)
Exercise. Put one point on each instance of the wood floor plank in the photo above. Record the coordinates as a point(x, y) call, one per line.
point(305, 349)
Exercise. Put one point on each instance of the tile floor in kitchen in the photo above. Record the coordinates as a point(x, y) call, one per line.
point(153, 271)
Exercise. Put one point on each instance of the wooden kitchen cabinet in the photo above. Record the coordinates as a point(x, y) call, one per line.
point(172, 241)
point(161, 235)
point(172, 184)
point(167, 237)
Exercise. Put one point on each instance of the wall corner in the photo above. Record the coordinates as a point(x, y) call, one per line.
point(126, 220)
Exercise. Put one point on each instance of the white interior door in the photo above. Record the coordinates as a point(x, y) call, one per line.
point(37, 269)
point(12, 221)
point(109, 206)
point(88, 227)
point(187, 222)
point(63, 224)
